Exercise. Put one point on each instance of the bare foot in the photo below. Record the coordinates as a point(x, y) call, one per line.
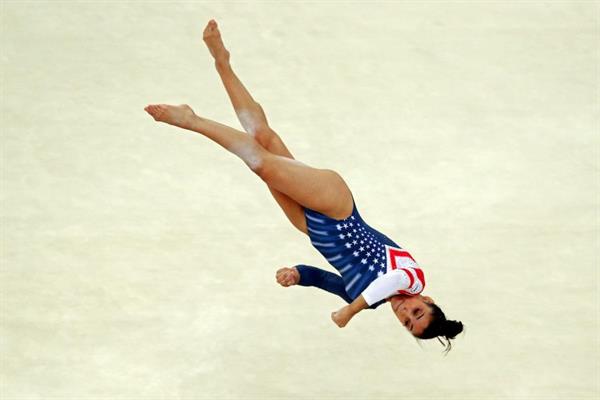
point(287, 276)
point(181, 115)
point(212, 38)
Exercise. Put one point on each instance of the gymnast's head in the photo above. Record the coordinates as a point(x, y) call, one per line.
point(424, 319)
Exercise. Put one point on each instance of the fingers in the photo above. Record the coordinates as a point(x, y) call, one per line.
point(286, 277)
point(336, 320)
point(280, 275)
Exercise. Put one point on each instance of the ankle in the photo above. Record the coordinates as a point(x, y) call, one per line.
point(222, 65)
point(193, 123)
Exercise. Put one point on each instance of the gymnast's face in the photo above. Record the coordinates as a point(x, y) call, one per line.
point(412, 311)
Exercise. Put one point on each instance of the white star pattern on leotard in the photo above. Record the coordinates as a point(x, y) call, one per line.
point(369, 246)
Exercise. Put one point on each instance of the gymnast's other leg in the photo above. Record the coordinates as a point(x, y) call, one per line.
point(252, 118)
point(322, 190)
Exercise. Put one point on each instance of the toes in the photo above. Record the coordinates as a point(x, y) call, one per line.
point(211, 25)
point(161, 109)
point(155, 110)
point(150, 110)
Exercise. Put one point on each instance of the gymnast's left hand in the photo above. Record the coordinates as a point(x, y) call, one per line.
point(342, 316)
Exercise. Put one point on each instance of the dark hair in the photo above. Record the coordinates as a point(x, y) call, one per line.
point(440, 326)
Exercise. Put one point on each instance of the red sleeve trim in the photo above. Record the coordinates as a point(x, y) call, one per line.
point(410, 276)
point(421, 276)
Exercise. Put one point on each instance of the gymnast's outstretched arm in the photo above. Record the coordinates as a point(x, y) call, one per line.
point(328, 281)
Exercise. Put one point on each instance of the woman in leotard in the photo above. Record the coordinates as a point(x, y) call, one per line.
point(373, 268)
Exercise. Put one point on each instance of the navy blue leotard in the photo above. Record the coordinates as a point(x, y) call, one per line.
point(356, 250)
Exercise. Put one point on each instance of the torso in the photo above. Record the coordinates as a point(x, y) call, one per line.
point(351, 246)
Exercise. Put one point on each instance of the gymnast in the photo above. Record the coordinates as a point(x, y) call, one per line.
point(318, 202)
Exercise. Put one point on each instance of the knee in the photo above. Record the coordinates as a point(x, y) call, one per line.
point(264, 169)
point(250, 119)
point(252, 154)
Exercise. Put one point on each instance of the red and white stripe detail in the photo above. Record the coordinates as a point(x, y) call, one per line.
point(402, 260)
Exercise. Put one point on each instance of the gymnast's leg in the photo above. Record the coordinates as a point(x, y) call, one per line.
point(322, 190)
point(252, 118)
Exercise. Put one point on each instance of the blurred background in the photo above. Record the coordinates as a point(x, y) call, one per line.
point(138, 260)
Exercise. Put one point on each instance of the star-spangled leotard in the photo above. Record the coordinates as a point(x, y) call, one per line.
point(370, 263)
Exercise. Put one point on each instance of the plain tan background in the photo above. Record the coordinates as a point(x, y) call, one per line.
point(138, 260)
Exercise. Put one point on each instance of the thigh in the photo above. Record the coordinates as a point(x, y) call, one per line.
point(292, 210)
point(322, 190)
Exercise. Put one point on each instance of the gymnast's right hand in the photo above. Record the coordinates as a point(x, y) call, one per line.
point(287, 276)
